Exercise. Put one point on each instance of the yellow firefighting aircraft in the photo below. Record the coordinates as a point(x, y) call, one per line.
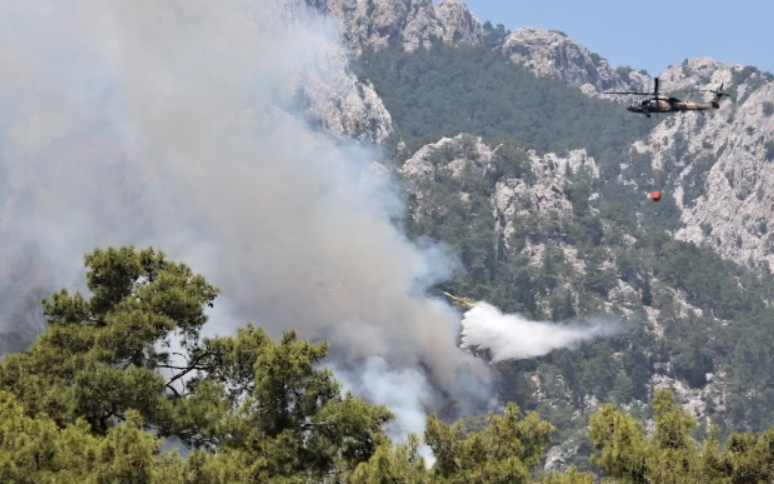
point(666, 104)
point(460, 302)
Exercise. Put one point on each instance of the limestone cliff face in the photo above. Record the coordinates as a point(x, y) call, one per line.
point(723, 162)
point(337, 101)
point(553, 54)
point(374, 23)
point(540, 191)
point(345, 106)
point(544, 193)
point(331, 94)
point(459, 25)
point(522, 203)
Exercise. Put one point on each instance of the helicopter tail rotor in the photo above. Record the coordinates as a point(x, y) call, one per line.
point(717, 92)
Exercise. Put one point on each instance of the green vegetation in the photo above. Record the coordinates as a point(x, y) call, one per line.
point(87, 403)
point(693, 183)
point(768, 148)
point(671, 455)
point(495, 36)
point(446, 90)
point(727, 332)
point(91, 404)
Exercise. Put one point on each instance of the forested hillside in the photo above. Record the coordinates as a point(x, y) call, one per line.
point(95, 395)
point(446, 90)
point(697, 321)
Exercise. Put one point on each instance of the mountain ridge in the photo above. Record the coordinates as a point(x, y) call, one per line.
point(556, 55)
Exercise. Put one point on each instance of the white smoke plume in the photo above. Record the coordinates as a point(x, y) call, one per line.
point(405, 392)
point(513, 337)
point(171, 123)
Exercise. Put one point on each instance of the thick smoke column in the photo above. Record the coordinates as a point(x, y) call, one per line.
point(512, 337)
point(172, 123)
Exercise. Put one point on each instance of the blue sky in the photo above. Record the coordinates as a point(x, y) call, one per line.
point(652, 34)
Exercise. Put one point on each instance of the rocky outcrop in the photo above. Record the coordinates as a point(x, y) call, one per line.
point(695, 400)
point(332, 96)
point(459, 151)
point(723, 162)
point(348, 107)
point(448, 154)
point(413, 23)
point(344, 106)
point(553, 54)
point(539, 191)
point(544, 192)
point(458, 23)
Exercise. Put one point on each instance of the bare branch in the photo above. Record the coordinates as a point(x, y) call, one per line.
point(193, 365)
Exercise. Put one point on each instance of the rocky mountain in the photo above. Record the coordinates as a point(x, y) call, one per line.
point(345, 106)
point(338, 102)
point(541, 191)
point(722, 162)
point(414, 23)
point(374, 23)
point(553, 53)
point(556, 234)
point(528, 201)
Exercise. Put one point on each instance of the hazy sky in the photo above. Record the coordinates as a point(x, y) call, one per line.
point(649, 35)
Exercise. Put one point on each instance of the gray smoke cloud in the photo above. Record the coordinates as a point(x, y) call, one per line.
point(171, 123)
point(513, 337)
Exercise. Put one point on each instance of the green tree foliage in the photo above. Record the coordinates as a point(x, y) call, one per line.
point(495, 36)
point(671, 454)
point(103, 368)
point(506, 451)
point(139, 299)
point(402, 463)
point(256, 410)
point(38, 450)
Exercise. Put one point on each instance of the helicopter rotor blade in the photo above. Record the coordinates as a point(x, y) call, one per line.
point(628, 92)
point(718, 92)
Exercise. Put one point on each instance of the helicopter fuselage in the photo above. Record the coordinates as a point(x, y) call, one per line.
point(656, 103)
point(663, 104)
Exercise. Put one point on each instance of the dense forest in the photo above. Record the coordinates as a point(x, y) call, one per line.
point(713, 315)
point(96, 394)
point(446, 90)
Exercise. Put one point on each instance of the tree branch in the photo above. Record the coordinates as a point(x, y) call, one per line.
point(193, 365)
